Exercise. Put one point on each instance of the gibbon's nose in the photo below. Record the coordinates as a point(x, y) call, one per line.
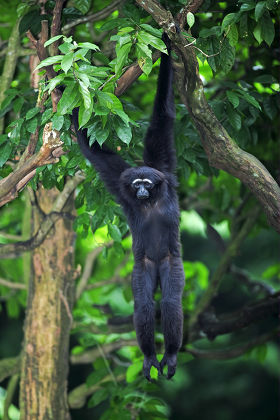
point(142, 193)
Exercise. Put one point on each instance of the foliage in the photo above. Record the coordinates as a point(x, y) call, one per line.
point(236, 47)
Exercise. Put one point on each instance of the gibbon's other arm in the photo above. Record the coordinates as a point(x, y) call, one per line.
point(108, 163)
point(159, 151)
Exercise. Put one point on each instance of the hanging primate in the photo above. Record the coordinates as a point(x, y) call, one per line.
point(149, 200)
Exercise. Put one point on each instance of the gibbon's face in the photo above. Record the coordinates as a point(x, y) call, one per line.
point(142, 183)
point(142, 187)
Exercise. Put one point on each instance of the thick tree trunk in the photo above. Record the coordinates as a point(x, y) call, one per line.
point(43, 387)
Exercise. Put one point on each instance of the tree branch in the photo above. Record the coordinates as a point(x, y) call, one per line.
point(232, 352)
point(9, 367)
point(241, 319)
point(222, 151)
point(90, 355)
point(101, 14)
point(55, 26)
point(77, 397)
point(12, 285)
point(91, 258)
point(16, 180)
point(16, 249)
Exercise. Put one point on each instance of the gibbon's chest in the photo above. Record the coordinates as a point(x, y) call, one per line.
point(157, 219)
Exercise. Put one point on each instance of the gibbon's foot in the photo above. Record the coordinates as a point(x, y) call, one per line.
point(171, 361)
point(150, 361)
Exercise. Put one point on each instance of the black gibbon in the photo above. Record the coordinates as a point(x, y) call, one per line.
point(149, 200)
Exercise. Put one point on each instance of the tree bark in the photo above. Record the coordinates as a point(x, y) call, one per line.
point(43, 387)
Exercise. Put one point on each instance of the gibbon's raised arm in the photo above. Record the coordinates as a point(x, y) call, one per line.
point(108, 163)
point(159, 149)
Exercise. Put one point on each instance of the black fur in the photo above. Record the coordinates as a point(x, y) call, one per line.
point(154, 222)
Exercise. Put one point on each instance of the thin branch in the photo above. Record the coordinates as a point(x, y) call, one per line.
point(234, 351)
point(267, 307)
point(16, 180)
point(9, 367)
point(55, 26)
point(90, 355)
point(101, 14)
point(12, 386)
point(77, 397)
point(12, 285)
point(90, 260)
point(16, 249)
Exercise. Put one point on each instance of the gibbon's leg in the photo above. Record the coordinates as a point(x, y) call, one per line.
point(172, 280)
point(143, 286)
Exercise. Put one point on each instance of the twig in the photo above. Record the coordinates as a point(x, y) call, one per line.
point(16, 249)
point(101, 14)
point(12, 285)
point(13, 382)
point(90, 355)
point(232, 352)
point(91, 258)
point(264, 308)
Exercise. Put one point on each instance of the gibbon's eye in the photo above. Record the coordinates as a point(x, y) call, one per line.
point(136, 183)
point(148, 184)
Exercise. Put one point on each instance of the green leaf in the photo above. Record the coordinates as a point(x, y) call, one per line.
point(31, 126)
point(101, 134)
point(234, 118)
point(259, 10)
point(115, 233)
point(261, 352)
point(232, 35)
point(122, 115)
point(190, 19)
point(250, 99)
point(98, 396)
point(122, 55)
point(123, 131)
point(85, 114)
point(229, 19)
point(55, 81)
point(258, 33)
point(98, 219)
point(68, 100)
point(233, 98)
point(83, 5)
point(67, 61)
point(145, 64)
point(143, 51)
point(53, 39)
point(49, 61)
point(31, 113)
point(227, 56)
point(85, 94)
point(89, 46)
point(148, 28)
point(247, 6)
point(267, 29)
point(266, 79)
point(57, 122)
point(146, 38)
point(5, 151)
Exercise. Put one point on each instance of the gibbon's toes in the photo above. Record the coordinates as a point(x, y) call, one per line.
point(171, 362)
point(148, 363)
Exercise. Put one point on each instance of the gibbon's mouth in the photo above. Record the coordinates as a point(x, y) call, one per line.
point(142, 195)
